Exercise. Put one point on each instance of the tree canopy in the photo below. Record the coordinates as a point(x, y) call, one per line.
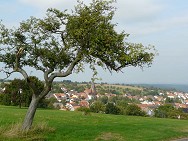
point(62, 42)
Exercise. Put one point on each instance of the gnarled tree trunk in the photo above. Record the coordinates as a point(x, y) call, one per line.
point(34, 103)
point(30, 114)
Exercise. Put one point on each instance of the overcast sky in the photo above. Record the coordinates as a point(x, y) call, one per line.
point(162, 23)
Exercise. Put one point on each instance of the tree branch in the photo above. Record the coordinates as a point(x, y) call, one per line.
point(69, 69)
point(7, 73)
point(63, 39)
point(23, 72)
point(46, 73)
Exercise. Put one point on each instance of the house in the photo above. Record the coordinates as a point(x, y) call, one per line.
point(157, 103)
point(158, 98)
point(147, 102)
point(60, 96)
point(171, 95)
point(186, 101)
point(90, 94)
point(64, 89)
point(87, 91)
point(82, 95)
point(92, 90)
point(147, 108)
point(136, 97)
point(161, 94)
point(72, 106)
point(74, 96)
point(179, 105)
point(141, 99)
point(84, 103)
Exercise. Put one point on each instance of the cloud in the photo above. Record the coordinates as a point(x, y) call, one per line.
point(145, 17)
point(137, 10)
point(128, 9)
point(159, 25)
point(44, 4)
point(139, 17)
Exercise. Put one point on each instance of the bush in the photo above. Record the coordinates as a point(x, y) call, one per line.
point(97, 107)
point(111, 108)
point(184, 116)
point(166, 111)
point(85, 110)
point(1, 98)
point(134, 110)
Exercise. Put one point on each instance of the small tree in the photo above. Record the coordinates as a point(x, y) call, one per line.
point(97, 107)
point(111, 108)
point(168, 111)
point(17, 93)
point(134, 110)
point(62, 42)
point(103, 99)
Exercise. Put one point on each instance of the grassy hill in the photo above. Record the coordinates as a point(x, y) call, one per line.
point(74, 126)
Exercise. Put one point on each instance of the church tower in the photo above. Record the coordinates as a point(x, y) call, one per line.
point(93, 88)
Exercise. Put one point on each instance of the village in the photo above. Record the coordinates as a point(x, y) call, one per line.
point(72, 100)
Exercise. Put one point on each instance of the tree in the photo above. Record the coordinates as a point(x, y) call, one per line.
point(17, 92)
point(111, 108)
point(134, 110)
point(103, 99)
point(122, 105)
point(61, 43)
point(97, 107)
point(167, 111)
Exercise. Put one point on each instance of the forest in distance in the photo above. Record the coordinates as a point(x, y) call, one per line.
point(176, 87)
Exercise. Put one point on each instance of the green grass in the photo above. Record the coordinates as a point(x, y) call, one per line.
point(74, 126)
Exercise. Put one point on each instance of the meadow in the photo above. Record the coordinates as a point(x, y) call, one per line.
point(56, 125)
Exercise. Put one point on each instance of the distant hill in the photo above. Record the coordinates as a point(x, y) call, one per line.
point(178, 87)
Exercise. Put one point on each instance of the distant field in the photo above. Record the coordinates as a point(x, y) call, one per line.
point(120, 86)
point(124, 86)
point(74, 126)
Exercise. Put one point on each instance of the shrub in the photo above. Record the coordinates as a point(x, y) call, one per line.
point(111, 108)
point(85, 110)
point(134, 110)
point(168, 111)
point(97, 107)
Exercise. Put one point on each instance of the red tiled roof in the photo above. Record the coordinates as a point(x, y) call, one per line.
point(88, 91)
point(84, 103)
point(59, 95)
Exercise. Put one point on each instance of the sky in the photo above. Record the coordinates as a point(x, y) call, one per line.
point(162, 23)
